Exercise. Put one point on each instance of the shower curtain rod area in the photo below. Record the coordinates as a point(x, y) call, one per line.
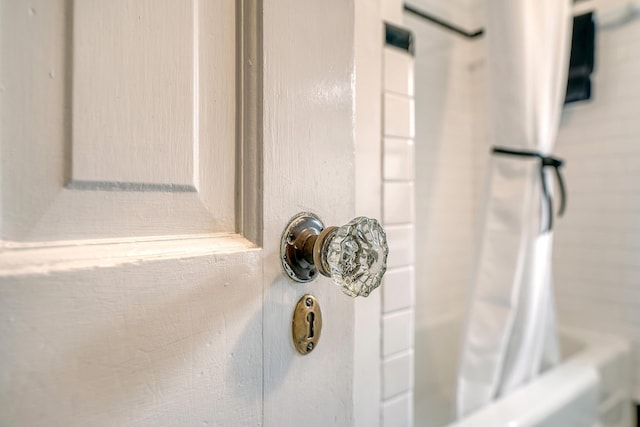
point(444, 24)
point(434, 19)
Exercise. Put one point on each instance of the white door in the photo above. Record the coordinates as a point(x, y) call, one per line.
point(152, 154)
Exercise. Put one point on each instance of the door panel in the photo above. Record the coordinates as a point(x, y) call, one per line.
point(159, 343)
point(120, 117)
point(134, 86)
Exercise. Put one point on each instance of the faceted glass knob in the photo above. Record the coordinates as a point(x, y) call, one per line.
point(354, 255)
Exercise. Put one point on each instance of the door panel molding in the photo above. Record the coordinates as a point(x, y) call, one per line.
point(72, 172)
point(53, 257)
point(250, 63)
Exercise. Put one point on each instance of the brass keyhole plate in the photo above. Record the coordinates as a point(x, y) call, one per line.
point(307, 324)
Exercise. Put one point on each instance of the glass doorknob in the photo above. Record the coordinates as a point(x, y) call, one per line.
point(353, 255)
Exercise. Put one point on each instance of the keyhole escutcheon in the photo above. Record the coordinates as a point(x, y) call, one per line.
point(306, 324)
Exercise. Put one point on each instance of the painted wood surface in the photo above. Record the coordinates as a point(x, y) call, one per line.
point(172, 342)
point(120, 119)
point(309, 166)
point(135, 92)
point(368, 179)
point(126, 296)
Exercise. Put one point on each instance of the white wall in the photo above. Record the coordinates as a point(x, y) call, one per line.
point(597, 245)
point(399, 222)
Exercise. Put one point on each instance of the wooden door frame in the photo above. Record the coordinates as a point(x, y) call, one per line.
point(369, 40)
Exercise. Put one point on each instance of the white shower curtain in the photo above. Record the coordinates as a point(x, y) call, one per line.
point(510, 334)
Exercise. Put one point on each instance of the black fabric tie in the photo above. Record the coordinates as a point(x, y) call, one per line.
point(545, 161)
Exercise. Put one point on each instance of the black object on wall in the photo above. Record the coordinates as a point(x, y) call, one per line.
point(399, 37)
point(582, 59)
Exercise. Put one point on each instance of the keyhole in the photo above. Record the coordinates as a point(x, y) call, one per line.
point(310, 319)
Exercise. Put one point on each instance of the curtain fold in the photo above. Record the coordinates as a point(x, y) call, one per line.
point(510, 331)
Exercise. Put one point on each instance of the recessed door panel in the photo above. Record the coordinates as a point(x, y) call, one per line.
point(135, 111)
point(119, 119)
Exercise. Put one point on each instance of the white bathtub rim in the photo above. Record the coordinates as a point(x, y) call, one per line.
point(576, 381)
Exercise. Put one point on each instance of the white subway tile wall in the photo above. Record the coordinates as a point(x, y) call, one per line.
point(398, 72)
point(397, 332)
point(396, 412)
point(398, 115)
point(398, 160)
point(399, 291)
point(597, 243)
point(397, 375)
point(398, 218)
point(400, 240)
point(398, 203)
